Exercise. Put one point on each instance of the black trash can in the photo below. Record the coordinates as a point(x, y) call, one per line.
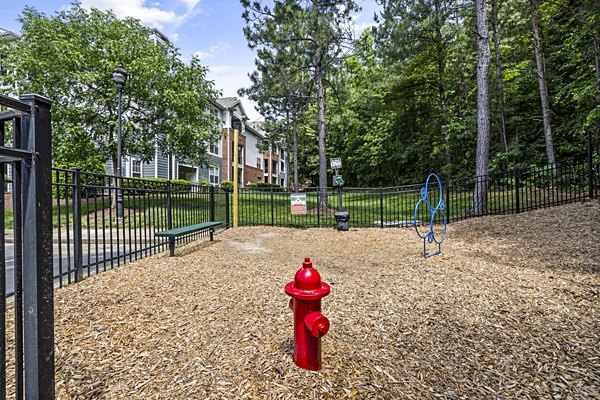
point(342, 217)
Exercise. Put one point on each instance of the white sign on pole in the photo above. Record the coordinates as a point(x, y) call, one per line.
point(336, 163)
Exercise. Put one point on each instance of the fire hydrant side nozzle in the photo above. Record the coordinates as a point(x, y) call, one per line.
point(310, 325)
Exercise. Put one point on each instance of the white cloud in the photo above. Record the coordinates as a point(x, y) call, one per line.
point(202, 55)
point(359, 28)
point(174, 37)
point(219, 69)
point(229, 79)
point(219, 47)
point(151, 14)
point(190, 3)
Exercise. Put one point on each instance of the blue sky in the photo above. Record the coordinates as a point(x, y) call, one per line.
point(211, 29)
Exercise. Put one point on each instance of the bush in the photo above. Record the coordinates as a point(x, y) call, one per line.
point(204, 182)
point(144, 185)
point(264, 185)
point(181, 185)
point(225, 184)
point(87, 179)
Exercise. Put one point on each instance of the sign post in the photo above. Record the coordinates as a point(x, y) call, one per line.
point(341, 217)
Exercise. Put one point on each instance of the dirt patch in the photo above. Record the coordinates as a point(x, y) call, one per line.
point(509, 310)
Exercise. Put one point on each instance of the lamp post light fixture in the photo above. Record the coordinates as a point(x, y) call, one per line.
point(120, 78)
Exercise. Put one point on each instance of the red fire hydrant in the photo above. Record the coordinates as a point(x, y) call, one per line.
point(309, 324)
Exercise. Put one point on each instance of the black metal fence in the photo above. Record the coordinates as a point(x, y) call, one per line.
point(90, 238)
point(507, 193)
point(27, 320)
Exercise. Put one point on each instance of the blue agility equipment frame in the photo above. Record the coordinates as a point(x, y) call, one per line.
point(429, 237)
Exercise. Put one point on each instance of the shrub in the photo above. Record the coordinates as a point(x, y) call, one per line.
point(145, 184)
point(204, 182)
point(225, 184)
point(264, 185)
point(87, 179)
point(181, 185)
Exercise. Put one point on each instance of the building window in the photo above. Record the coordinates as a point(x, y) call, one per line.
point(274, 167)
point(213, 175)
point(282, 168)
point(259, 179)
point(214, 148)
point(266, 166)
point(282, 182)
point(241, 154)
point(258, 162)
point(136, 168)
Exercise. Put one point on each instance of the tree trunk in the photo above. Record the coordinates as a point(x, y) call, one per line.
point(321, 120)
point(295, 139)
point(499, 86)
point(483, 111)
point(542, 83)
point(441, 61)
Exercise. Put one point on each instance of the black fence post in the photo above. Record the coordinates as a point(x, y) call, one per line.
point(590, 167)
point(212, 202)
point(381, 205)
point(227, 208)
point(318, 208)
point(2, 279)
point(272, 208)
point(447, 201)
point(518, 191)
point(17, 167)
point(170, 219)
point(77, 229)
point(38, 284)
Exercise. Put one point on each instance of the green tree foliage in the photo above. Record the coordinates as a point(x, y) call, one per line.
point(69, 57)
point(316, 34)
point(409, 101)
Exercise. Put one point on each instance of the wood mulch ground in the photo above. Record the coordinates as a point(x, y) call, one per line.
point(509, 310)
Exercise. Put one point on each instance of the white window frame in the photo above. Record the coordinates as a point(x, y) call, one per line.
point(214, 147)
point(214, 175)
point(135, 174)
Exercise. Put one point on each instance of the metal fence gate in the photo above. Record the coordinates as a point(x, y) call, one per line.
point(27, 318)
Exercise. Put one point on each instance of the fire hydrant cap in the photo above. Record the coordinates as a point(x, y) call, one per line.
point(307, 283)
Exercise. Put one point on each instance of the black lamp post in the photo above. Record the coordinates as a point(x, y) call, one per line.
point(120, 78)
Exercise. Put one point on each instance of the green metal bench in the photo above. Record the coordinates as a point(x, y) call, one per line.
point(172, 234)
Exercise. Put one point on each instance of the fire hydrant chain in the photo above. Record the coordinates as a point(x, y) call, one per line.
point(310, 325)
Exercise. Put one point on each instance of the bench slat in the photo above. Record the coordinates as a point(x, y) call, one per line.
point(171, 233)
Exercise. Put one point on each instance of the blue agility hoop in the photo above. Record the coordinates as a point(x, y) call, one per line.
point(429, 237)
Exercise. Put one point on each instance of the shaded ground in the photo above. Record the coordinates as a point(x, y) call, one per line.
point(509, 310)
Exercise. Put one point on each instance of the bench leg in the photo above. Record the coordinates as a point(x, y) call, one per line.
point(171, 247)
point(212, 231)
